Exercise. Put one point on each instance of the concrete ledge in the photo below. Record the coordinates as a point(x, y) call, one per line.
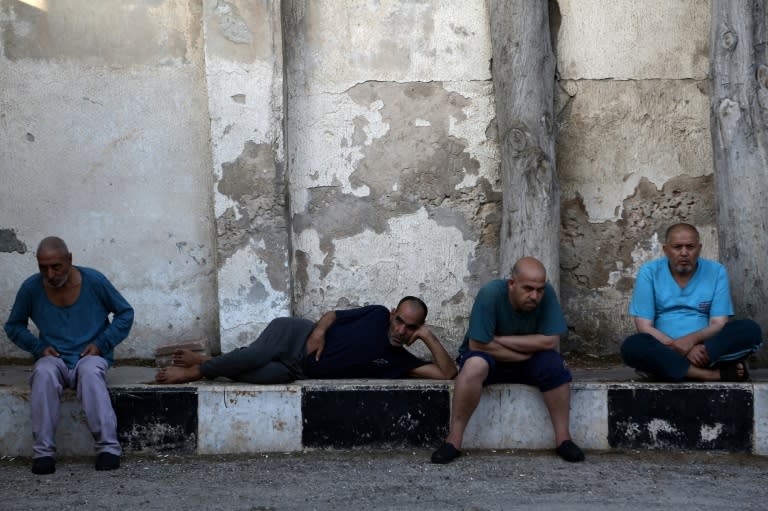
point(608, 410)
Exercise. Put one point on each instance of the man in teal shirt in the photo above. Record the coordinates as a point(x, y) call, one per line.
point(513, 335)
point(70, 306)
point(681, 305)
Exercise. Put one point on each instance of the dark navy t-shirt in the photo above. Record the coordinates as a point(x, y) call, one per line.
point(357, 346)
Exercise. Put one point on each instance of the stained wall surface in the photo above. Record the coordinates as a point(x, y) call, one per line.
point(244, 76)
point(104, 141)
point(226, 162)
point(633, 151)
point(393, 176)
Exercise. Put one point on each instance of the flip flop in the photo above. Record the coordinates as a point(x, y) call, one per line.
point(729, 371)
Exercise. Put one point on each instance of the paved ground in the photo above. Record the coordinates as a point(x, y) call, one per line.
point(351, 480)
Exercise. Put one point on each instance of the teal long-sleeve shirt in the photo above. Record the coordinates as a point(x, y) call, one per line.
point(70, 329)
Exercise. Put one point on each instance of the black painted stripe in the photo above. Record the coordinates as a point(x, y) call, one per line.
point(681, 418)
point(156, 419)
point(374, 418)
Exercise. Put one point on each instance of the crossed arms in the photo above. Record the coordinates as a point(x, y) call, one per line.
point(690, 345)
point(515, 348)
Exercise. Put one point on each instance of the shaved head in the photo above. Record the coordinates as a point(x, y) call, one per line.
point(526, 284)
point(54, 262)
point(53, 244)
point(673, 229)
point(528, 266)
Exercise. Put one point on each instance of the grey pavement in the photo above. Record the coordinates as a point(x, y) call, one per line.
point(387, 480)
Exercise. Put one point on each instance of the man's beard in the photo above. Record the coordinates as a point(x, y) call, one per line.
point(60, 283)
point(684, 269)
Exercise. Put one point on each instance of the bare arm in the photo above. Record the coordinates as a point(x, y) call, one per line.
point(442, 367)
point(499, 351)
point(646, 326)
point(528, 343)
point(316, 339)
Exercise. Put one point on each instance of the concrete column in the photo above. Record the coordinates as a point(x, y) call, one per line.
point(244, 75)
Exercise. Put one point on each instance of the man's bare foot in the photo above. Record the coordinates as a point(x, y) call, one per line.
point(702, 374)
point(187, 358)
point(173, 374)
point(730, 371)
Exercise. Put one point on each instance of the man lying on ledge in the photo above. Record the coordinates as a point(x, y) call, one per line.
point(367, 342)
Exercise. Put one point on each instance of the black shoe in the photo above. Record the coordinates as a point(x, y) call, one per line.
point(107, 461)
point(446, 453)
point(44, 465)
point(570, 451)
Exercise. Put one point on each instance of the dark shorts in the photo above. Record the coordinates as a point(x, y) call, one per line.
point(545, 369)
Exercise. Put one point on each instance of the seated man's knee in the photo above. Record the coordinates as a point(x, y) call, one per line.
point(46, 368)
point(550, 370)
point(633, 346)
point(753, 331)
point(91, 366)
point(475, 369)
point(626, 350)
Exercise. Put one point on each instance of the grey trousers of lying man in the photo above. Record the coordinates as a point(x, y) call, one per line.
point(276, 356)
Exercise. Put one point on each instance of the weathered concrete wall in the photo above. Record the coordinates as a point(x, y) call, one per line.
point(244, 71)
point(634, 152)
point(104, 141)
point(392, 160)
point(226, 162)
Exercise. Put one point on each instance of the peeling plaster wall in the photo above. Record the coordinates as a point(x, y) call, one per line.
point(226, 162)
point(631, 40)
point(634, 152)
point(104, 141)
point(244, 70)
point(392, 160)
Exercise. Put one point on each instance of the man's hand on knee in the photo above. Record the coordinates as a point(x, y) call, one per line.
point(91, 349)
point(698, 356)
point(50, 351)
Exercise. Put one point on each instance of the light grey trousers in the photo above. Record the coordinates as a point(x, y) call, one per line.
point(50, 376)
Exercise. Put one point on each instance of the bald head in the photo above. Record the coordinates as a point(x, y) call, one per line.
point(530, 267)
point(526, 284)
point(680, 228)
point(54, 262)
point(682, 248)
point(53, 245)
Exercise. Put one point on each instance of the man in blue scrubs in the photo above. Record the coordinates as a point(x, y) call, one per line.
point(681, 306)
point(70, 306)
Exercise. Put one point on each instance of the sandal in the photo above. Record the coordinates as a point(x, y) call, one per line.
point(445, 454)
point(729, 371)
